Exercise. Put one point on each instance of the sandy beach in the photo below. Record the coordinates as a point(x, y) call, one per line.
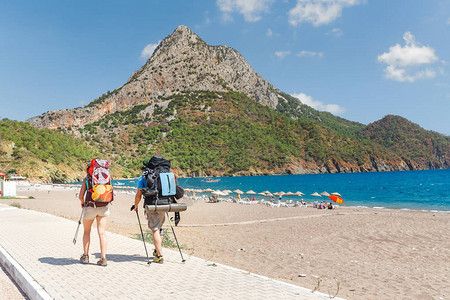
point(356, 253)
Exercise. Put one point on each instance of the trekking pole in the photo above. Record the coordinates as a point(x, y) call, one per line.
point(79, 223)
point(173, 231)
point(142, 233)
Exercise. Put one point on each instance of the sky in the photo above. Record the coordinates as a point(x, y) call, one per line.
point(358, 59)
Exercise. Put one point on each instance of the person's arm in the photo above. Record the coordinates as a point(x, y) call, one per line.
point(137, 199)
point(82, 191)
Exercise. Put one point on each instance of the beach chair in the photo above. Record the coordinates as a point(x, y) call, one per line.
point(275, 204)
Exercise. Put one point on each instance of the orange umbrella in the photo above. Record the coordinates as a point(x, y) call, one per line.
point(336, 199)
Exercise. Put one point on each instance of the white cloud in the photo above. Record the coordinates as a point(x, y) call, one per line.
point(269, 33)
point(308, 100)
point(282, 54)
point(408, 62)
point(442, 84)
point(337, 32)
point(251, 9)
point(318, 12)
point(148, 50)
point(310, 53)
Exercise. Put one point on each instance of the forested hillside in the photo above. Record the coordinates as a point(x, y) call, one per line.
point(41, 154)
point(410, 141)
point(208, 133)
point(211, 133)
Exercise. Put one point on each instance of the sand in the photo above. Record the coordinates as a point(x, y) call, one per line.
point(8, 289)
point(356, 253)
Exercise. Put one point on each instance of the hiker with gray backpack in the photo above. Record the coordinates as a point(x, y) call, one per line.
point(158, 187)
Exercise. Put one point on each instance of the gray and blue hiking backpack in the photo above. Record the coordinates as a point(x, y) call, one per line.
point(161, 183)
point(162, 188)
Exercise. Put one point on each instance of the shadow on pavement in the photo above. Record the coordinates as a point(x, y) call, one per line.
point(63, 261)
point(122, 257)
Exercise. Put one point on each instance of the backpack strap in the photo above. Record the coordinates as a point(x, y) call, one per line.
point(88, 197)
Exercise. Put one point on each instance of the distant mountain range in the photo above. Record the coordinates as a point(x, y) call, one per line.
point(205, 108)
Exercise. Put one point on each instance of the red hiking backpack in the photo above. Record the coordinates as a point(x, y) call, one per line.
point(100, 185)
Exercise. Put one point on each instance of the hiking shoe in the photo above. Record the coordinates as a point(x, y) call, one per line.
point(158, 259)
point(102, 262)
point(84, 259)
point(155, 253)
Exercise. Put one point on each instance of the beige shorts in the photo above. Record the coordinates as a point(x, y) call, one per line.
point(91, 212)
point(155, 220)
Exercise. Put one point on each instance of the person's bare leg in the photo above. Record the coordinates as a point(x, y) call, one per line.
point(101, 228)
point(87, 224)
point(157, 241)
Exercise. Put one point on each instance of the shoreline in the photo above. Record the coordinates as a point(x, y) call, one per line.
point(222, 198)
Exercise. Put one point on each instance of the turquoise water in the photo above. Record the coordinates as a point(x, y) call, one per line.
point(417, 190)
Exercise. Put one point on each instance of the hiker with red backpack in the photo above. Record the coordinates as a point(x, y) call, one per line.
point(95, 195)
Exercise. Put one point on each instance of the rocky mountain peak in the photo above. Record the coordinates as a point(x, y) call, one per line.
point(182, 35)
point(181, 62)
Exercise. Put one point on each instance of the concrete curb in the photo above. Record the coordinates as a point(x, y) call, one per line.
point(28, 285)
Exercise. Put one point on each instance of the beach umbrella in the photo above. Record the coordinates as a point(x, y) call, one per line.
point(220, 193)
point(262, 194)
point(325, 194)
point(279, 193)
point(337, 194)
point(226, 191)
point(289, 194)
point(336, 199)
point(250, 192)
point(298, 193)
point(316, 194)
point(238, 192)
point(265, 192)
point(208, 190)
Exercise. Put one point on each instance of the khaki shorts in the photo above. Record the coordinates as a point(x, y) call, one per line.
point(155, 220)
point(91, 212)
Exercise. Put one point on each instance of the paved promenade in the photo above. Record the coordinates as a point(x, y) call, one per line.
point(37, 249)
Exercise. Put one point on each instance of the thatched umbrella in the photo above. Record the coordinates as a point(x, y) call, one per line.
point(220, 193)
point(325, 194)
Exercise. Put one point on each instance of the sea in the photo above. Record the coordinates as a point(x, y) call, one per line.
point(413, 190)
